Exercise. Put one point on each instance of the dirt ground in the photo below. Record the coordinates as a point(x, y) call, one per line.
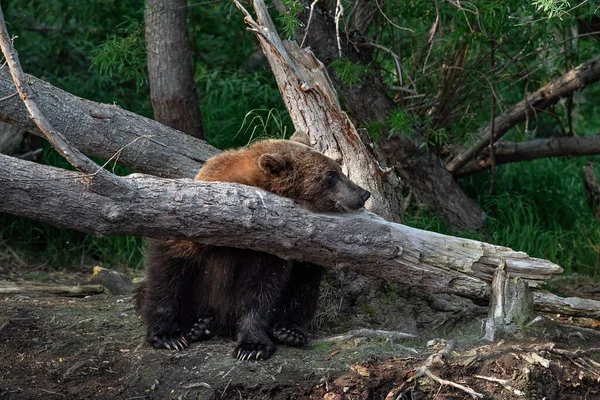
point(92, 348)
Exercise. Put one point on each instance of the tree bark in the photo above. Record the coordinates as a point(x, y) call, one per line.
point(576, 79)
point(508, 152)
point(246, 217)
point(314, 108)
point(170, 69)
point(367, 101)
point(104, 130)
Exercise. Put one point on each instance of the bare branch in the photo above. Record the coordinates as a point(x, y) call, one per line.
point(576, 79)
point(508, 152)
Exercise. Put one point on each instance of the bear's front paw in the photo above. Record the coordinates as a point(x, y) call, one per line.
point(202, 330)
point(253, 350)
point(289, 336)
point(168, 341)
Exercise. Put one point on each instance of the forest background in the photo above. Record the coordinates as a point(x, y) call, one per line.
point(497, 53)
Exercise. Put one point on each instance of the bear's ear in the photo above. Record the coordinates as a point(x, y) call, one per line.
point(301, 137)
point(272, 163)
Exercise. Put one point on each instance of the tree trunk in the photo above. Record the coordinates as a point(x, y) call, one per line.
point(314, 108)
point(592, 189)
point(367, 101)
point(170, 69)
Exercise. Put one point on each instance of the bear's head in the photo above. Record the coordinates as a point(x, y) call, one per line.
point(291, 168)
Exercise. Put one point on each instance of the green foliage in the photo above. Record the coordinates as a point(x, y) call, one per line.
point(123, 57)
point(539, 208)
point(58, 40)
point(237, 108)
point(289, 20)
point(350, 73)
point(554, 8)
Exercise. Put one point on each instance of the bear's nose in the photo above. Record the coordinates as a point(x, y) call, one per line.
point(365, 195)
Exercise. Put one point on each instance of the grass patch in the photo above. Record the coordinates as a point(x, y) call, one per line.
point(538, 207)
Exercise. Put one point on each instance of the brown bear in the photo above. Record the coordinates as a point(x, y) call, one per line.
point(193, 292)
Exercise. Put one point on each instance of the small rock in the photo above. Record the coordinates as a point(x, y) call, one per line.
point(116, 282)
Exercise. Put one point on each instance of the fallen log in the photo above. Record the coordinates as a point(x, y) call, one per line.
point(246, 217)
point(104, 130)
point(53, 289)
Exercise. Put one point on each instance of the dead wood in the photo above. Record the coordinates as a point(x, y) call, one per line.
point(41, 288)
point(308, 93)
point(104, 130)
point(246, 217)
point(508, 152)
point(511, 307)
point(436, 360)
point(576, 79)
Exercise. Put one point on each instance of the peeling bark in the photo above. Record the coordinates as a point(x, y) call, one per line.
point(314, 108)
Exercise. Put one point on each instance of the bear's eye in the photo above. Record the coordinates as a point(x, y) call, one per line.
point(332, 179)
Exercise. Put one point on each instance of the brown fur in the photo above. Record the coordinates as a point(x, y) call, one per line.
point(193, 292)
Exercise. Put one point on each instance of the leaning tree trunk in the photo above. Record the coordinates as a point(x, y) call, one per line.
point(170, 69)
point(368, 101)
point(314, 108)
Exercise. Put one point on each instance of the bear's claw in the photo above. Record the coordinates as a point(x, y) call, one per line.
point(170, 342)
point(253, 351)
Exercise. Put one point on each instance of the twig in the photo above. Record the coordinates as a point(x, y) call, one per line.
point(310, 15)
point(432, 33)
point(51, 392)
point(10, 96)
point(443, 382)
point(389, 20)
point(437, 360)
point(339, 13)
point(394, 56)
point(502, 382)
point(226, 386)
point(371, 333)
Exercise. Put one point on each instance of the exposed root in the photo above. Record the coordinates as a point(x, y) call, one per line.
point(437, 360)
